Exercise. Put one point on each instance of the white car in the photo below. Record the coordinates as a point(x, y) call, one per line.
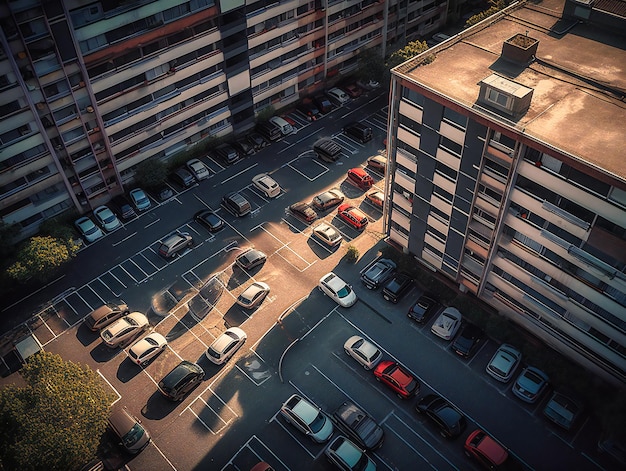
point(363, 351)
point(266, 184)
point(504, 363)
point(340, 291)
point(106, 218)
point(447, 324)
point(338, 96)
point(139, 199)
point(226, 345)
point(327, 234)
point(88, 229)
point(147, 348)
point(308, 418)
point(198, 169)
point(124, 329)
point(253, 295)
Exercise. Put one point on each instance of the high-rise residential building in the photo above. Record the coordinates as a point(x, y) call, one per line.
point(89, 89)
point(508, 157)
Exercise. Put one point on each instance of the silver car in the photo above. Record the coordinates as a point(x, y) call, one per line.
point(308, 418)
point(504, 363)
point(253, 295)
point(447, 324)
point(125, 329)
point(363, 351)
point(226, 345)
point(198, 169)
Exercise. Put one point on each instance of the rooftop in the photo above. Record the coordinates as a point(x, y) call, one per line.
point(578, 76)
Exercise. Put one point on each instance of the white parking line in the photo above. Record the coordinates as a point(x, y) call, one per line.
point(124, 239)
point(163, 455)
point(415, 450)
point(237, 174)
point(214, 432)
point(293, 436)
point(300, 140)
point(152, 223)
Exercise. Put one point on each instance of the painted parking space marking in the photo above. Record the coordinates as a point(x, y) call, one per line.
point(254, 368)
point(122, 276)
point(210, 414)
point(260, 452)
point(307, 165)
point(133, 270)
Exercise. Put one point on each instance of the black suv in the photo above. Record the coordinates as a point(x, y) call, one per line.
point(236, 204)
point(327, 150)
point(423, 308)
point(122, 207)
point(181, 380)
point(359, 426)
point(226, 153)
point(397, 287)
point(377, 274)
point(358, 131)
point(183, 177)
point(269, 131)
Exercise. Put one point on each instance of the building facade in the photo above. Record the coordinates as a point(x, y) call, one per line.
point(89, 89)
point(507, 144)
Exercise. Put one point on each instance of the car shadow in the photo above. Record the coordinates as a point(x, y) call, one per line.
point(101, 353)
point(86, 336)
point(158, 407)
point(350, 191)
point(239, 277)
point(370, 210)
point(127, 370)
point(320, 250)
point(235, 316)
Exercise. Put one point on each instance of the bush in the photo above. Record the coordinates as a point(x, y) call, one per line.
point(151, 173)
point(265, 114)
point(352, 254)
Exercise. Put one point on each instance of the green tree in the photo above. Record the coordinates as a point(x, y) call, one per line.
point(496, 6)
point(151, 173)
point(371, 65)
point(56, 421)
point(407, 52)
point(41, 257)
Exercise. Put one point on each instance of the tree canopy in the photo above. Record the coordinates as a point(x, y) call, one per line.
point(151, 173)
point(40, 257)
point(57, 420)
point(409, 51)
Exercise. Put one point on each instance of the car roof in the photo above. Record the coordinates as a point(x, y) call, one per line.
point(334, 281)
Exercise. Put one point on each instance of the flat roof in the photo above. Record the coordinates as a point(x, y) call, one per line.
point(578, 78)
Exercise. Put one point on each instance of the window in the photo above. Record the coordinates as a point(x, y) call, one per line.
point(414, 97)
point(497, 97)
point(447, 171)
point(450, 145)
point(455, 118)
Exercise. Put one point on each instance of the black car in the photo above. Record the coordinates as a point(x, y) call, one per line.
point(397, 287)
point(379, 273)
point(226, 153)
point(470, 337)
point(257, 141)
point(183, 177)
point(308, 109)
point(450, 421)
point(423, 308)
point(181, 380)
point(323, 103)
point(303, 212)
point(359, 426)
point(250, 258)
point(209, 219)
point(164, 193)
point(243, 146)
point(122, 207)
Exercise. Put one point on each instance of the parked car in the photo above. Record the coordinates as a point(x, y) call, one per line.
point(266, 184)
point(504, 363)
point(106, 218)
point(397, 286)
point(134, 437)
point(285, 127)
point(105, 315)
point(125, 329)
point(365, 352)
point(210, 220)
point(257, 141)
point(308, 418)
point(359, 177)
point(226, 153)
point(613, 445)
point(175, 243)
point(359, 426)
point(352, 90)
point(423, 309)
point(309, 109)
point(147, 348)
point(303, 212)
point(328, 235)
point(328, 199)
point(337, 96)
point(183, 177)
point(378, 273)
point(164, 192)
point(225, 346)
point(182, 379)
point(376, 199)
point(563, 409)
point(236, 204)
point(245, 147)
point(269, 130)
point(323, 103)
point(250, 259)
point(198, 169)
point(484, 449)
point(327, 150)
point(368, 84)
point(447, 324)
point(397, 378)
point(88, 229)
point(253, 295)
point(140, 199)
point(338, 290)
point(353, 216)
point(377, 163)
point(469, 339)
point(122, 207)
point(450, 421)
point(358, 131)
point(346, 456)
point(530, 384)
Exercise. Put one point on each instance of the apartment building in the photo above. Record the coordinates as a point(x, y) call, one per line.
point(89, 89)
point(507, 145)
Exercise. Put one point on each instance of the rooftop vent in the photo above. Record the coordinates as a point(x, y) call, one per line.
point(520, 49)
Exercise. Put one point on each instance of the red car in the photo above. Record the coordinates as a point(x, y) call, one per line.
point(353, 216)
point(352, 90)
point(397, 378)
point(485, 449)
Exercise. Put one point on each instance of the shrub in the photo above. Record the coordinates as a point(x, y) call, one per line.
point(352, 254)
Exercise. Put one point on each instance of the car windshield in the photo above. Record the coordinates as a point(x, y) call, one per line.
point(343, 292)
point(133, 436)
point(318, 423)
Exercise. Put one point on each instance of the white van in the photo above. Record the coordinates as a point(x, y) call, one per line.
point(284, 126)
